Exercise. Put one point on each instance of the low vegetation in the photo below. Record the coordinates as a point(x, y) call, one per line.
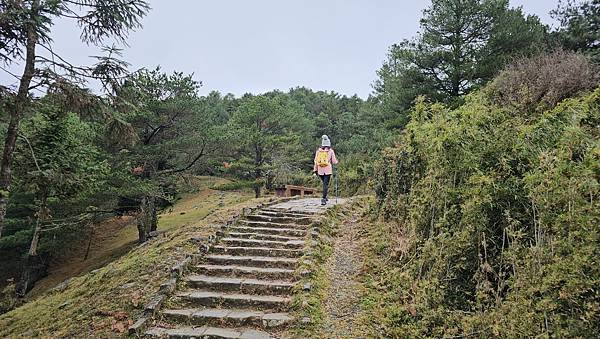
point(311, 291)
point(495, 210)
point(111, 292)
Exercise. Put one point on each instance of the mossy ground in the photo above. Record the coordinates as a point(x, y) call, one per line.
point(311, 307)
point(102, 302)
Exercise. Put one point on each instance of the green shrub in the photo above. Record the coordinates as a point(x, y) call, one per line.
point(236, 185)
point(499, 209)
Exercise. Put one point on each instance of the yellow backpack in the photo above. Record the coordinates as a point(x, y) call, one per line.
point(322, 158)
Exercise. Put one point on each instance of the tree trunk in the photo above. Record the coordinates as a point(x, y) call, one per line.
point(33, 269)
point(142, 221)
point(89, 245)
point(147, 220)
point(20, 104)
point(42, 215)
point(153, 217)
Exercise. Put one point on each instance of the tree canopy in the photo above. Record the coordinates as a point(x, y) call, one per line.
point(462, 45)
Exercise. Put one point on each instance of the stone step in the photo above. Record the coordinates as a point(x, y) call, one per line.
point(259, 236)
point(245, 271)
point(228, 317)
point(243, 242)
point(286, 211)
point(280, 220)
point(270, 230)
point(266, 223)
point(244, 285)
point(258, 251)
point(254, 261)
point(207, 332)
point(220, 299)
point(283, 213)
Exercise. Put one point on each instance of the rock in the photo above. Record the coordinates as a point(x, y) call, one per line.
point(127, 286)
point(138, 326)
point(155, 303)
point(305, 273)
point(307, 287)
point(275, 319)
point(305, 320)
point(169, 286)
point(178, 269)
point(153, 234)
point(62, 286)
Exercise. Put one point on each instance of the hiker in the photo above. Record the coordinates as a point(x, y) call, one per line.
point(324, 161)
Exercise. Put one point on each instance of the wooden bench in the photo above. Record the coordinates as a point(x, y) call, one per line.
point(292, 190)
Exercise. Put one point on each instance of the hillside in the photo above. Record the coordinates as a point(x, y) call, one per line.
point(110, 288)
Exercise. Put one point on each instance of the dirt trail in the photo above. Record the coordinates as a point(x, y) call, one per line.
point(343, 266)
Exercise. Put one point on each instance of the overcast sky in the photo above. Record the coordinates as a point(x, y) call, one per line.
point(240, 46)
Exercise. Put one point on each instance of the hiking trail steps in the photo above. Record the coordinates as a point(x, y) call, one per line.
point(243, 286)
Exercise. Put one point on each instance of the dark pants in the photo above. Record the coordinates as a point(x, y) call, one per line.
point(325, 178)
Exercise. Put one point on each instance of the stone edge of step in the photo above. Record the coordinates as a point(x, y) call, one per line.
point(201, 331)
point(266, 319)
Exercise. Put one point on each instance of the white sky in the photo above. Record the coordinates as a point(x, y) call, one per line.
point(239, 46)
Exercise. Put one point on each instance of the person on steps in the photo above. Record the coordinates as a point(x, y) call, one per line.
point(324, 161)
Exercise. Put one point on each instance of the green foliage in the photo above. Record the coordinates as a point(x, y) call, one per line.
point(266, 127)
point(579, 30)
point(498, 210)
point(462, 45)
point(60, 158)
point(99, 20)
point(57, 166)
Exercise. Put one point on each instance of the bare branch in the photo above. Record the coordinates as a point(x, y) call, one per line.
point(10, 73)
point(22, 136)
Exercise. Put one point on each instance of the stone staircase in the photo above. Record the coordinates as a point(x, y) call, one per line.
point(243, 286)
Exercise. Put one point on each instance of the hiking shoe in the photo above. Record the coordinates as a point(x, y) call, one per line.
point(323, 202)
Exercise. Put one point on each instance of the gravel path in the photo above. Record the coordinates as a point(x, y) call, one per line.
point(343, 266)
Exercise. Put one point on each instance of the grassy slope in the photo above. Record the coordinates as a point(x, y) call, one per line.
point(102, 302)
point(378, 279)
